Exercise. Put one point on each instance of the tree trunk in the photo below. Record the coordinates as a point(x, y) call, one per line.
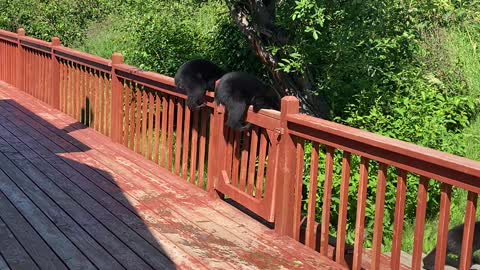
point(255, 19)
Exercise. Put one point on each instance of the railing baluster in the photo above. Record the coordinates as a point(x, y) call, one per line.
point(360, 218)
point(20, 61)
point(420, 223)
point(244, 158)
point(171, 115)
point(326, 201)
point(186, 142)
point(194, 149)
point(252, 160)
point(158, 112)
point(138, 117)
point(144, 143)
point(179, 132)
point(163, 144)
point(201, 152)
point(342, 213)
point(379, 208)
point(127, 123)
point(151, 108)
point(236, 159)
point(444, 220)
point(261, 164)
point(312, 198)
point(398, 218)
point(297, 207)
point(468, 231)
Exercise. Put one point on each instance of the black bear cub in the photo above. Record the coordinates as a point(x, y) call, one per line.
point(237, 91)
point(454, 247)
point(195, 77)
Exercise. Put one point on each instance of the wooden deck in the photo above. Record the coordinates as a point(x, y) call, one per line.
point(72, 199)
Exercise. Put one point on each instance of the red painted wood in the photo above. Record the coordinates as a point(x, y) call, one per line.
point(138, 117)
point(297, 211)
point(171, 120)
point(360, 216)
point(252, 160)
point(151, 106)
point(133, 102)
point(234, 178)
point(244, 161)
point(420, 223)
point(194, 149)
point(444, 167)
point(163, 144)
point(285, 257)
point(96, 99)
point(178, 139)
point(144, 139)
point(284, 197)
point(271, 181)
point(327, 201)
point(108, 105)
point(158, 111)
point(398, 218)
point(444, 219)
point(261, 164)
point(312, 198)
point(20, 61)
point(379, 213)
point(126, 125)
point(229, 136)
point(342, 214)
point(186, 143)
point(202, 145)
point(468, 231)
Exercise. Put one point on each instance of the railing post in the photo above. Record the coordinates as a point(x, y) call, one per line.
point(55, 91)
point(19, 63)
point(285, 193)
point(116, 104)
point(217, 147)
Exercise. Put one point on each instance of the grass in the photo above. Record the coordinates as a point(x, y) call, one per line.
point(460, 47)
point(105, 37)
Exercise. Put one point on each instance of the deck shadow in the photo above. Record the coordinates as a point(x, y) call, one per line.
point(59, 207)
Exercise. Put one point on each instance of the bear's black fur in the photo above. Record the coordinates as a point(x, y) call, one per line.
point(454, 247)
point(238, 90)
point(195, 77)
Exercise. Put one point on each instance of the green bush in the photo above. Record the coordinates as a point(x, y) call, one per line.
point(166, 34)
point(67, 19)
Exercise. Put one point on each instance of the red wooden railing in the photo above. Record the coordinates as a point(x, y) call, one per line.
point(261, 169)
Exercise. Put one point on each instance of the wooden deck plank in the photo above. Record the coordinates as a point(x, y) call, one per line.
point(82, 239)
point(4, 265)
point(202, 246)
point(12, 252)
point(235, 227)
point(206, 224)
point(129, 259)
point(39, 251)
point(133, 175)
point(122, 214)
point(65, 249)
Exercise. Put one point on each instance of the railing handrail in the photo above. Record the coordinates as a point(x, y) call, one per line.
point(390, 151)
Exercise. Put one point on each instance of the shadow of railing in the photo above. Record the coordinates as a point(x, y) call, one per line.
point(80, 204)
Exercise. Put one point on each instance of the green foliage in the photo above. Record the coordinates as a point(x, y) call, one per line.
point(67, 19)
point(404, 69)
point(199, 30)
